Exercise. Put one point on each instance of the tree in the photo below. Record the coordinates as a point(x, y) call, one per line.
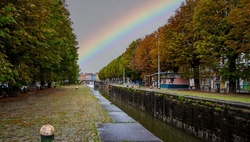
point(114, 70)
point(220, 35)
point(7, 13)
point(239, 36)
point(129, 61)
point(143, 56)
point(166, 63)
point(180, 52)
point(16, 42)
point(37, 42)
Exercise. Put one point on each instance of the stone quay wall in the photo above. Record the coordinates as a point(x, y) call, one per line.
point(209, 119)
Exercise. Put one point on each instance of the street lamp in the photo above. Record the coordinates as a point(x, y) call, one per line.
point(159, 68)
point(123, 78)
point(123, 72)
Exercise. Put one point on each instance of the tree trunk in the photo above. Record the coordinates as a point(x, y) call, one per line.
point(49, 85)
point(232, 69)
point(197, 77)
point(42, 85)
point(197, 84)
point(13, 90)
point(232, 86)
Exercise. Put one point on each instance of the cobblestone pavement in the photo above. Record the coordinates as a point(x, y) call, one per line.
point(73, 113)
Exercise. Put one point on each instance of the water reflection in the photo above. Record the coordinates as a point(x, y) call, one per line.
point(162, 130)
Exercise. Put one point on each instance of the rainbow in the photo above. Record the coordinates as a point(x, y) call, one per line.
point(102, 41)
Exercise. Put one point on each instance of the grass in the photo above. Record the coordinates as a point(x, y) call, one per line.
point(73, 113)
point(244, 98)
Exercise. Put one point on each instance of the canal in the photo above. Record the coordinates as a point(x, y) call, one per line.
point(164, 131)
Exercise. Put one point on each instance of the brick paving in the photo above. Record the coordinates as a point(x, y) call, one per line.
point(73, 113)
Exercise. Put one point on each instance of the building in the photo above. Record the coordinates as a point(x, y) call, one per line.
point(89, 77)
point(170, 80)
point(214, 83)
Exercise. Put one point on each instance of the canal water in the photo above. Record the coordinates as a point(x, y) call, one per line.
point(164, 131)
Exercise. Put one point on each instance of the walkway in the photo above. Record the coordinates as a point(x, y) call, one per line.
point(124, 128)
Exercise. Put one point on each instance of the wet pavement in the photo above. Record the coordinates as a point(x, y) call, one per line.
point(123, 128)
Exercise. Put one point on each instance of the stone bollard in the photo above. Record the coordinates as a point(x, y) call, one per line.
point(47, 133)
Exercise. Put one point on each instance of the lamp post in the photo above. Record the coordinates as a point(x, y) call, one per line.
point(123, 78)
point(123, 72)
point(159, 68)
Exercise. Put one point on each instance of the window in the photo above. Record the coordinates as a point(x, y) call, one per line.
point(164, 80)
point(217, 78)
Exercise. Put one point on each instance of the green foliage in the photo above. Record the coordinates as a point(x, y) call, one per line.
point(113, 70)
point(217, 108)
point(37, 42)
point(124, 64)
point(159, 95)
point(181, 98)
point(129, 61)
point(180, 39)
point(219, 25)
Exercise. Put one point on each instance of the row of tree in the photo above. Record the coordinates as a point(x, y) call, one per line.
point(201, 38)
point(36, 43)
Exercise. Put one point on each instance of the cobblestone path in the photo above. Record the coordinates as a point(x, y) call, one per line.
point(73, 113)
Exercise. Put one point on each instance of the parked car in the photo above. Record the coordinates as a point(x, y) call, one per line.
point(38, 85)
point(24, 89)
point(3, 90)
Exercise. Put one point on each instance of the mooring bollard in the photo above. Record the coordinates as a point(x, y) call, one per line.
point(47, 133)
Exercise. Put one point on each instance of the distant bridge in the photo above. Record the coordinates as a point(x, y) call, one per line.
point(86, 81)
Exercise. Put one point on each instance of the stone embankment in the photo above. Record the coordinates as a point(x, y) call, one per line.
point(123, 128)
point(210, 119)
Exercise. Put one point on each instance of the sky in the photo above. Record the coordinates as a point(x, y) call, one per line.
point(105, 28)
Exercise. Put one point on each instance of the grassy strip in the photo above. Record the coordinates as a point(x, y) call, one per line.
point(72, 112)
point(244, 98)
